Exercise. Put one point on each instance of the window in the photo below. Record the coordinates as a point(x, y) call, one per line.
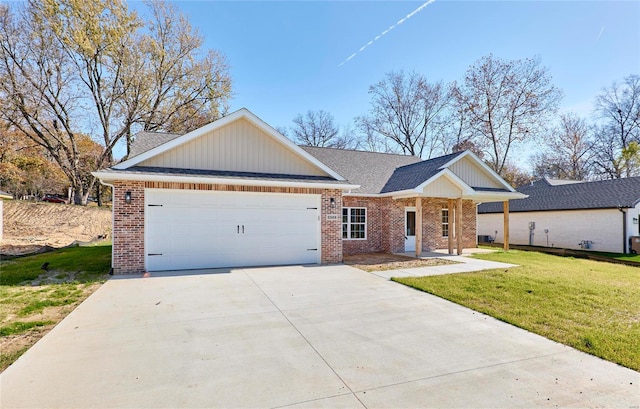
point(445, 222)
point(354, 223)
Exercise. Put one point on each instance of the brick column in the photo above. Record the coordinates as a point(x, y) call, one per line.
point(331, 226)
point(128, 229)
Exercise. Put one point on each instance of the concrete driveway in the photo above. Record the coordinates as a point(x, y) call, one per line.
point(301, 337)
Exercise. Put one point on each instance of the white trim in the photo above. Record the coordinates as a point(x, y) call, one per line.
point(111, 176)
point(241, 113)
point(449, 224)
point(482, 165)
point(349, 223)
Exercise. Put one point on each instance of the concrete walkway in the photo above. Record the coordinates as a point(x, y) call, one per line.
point(298, 337)
point(464, 265)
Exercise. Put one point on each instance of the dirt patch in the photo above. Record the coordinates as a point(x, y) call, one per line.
point(386, 261)
point(35, 227)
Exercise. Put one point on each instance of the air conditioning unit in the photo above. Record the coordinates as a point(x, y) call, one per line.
point(634, 244)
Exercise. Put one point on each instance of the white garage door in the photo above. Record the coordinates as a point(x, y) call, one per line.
point(202, 229)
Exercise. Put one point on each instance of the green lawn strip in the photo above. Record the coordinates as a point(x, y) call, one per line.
point(619, 256)
point(26, 308)
point(591, 306)
point(90, 261)
point(19, 327)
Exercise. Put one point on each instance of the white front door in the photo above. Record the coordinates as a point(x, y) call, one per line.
point(409, 229)
point(186, 229)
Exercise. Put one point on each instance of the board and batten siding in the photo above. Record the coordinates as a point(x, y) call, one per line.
point(567, 228)
point(473, 175)
point(442, 187)
point(239, 146)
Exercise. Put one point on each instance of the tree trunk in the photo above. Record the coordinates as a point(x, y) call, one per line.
point(98, 194)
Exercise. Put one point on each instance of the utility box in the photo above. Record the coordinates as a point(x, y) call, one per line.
point(634, 244)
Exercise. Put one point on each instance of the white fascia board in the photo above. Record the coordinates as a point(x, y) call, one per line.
point(488, 197)
point(483, 165)
point(241, 113)
point(112, 176)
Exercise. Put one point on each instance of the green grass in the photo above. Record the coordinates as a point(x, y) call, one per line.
point(90, 262)
point(32, 309)
point(19, 327)
point(619, 256)
point(589, 305)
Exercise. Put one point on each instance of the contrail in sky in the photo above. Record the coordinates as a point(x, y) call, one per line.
point(600, 35)
point(414, 12)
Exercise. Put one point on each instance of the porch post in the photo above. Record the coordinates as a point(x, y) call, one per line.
point(450, 238)
point(506, 225)
point(459, 225)
point(418, 226)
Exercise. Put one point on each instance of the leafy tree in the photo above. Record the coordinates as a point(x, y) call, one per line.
point(568, 151)
point(73, 65)
point(618, 108)
point(504, 103)
point(406, 114)
point(26, 168)
point(515, 176)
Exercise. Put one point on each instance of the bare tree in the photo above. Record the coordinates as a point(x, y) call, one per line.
point(506, 103)
point(316, 128)
point(406, 111)
point(68, 67)
point(618, 107)
point(568, 151)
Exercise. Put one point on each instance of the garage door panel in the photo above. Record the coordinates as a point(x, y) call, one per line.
point(203, 229)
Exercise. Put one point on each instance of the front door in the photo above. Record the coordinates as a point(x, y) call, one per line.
point(409, 229)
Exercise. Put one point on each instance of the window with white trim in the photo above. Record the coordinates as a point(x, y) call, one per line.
point(354, 223)
point(445, 222)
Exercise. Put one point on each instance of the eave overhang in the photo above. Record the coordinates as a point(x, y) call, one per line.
point(111, 176)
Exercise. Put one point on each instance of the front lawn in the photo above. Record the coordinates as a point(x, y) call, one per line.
point(33, 300)
point(589, 305)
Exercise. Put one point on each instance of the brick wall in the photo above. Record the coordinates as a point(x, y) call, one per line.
point(128, 228)
point(377, 240)
point(386, 224)
point(128, 232)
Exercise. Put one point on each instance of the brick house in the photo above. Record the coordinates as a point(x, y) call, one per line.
point(597, 215)
point(237, 193)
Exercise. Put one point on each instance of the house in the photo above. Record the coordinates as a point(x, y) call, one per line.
point(3, 196)
point(237, 193)
point(599, 216)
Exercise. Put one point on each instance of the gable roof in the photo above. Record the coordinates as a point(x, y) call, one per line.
point(413, 175)
point(545, 196)
point(370, 170)
point(242, 113)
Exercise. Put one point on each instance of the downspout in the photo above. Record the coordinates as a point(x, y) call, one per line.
point(624, 229)
point(113, 219)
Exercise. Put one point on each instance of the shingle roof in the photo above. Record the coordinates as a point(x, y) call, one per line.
point(375, 172)
point(145, 141)
point(370, 170)
point(604, 194)
point(411, 176)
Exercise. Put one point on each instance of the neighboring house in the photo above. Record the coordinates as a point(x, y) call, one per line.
point(237, 193)
point(599, 216)
point(3, 196)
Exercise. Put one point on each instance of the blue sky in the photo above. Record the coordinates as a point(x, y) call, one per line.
point(285, 56)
